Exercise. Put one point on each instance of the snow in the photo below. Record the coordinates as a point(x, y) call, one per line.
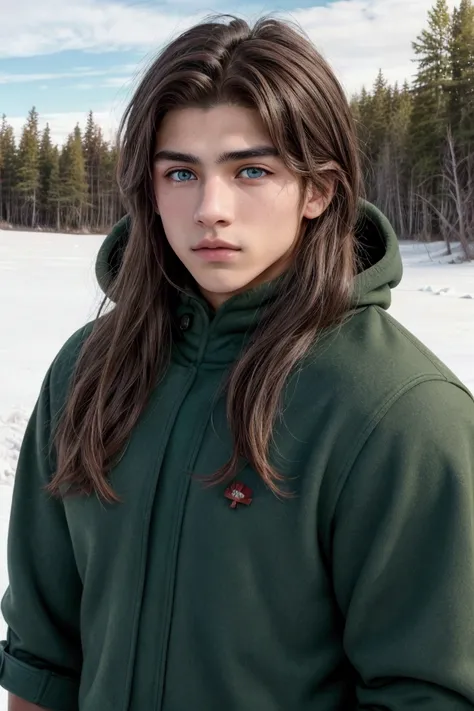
point(436, 302)
point(48, 290)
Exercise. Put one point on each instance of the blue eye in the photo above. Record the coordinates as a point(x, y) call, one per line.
point(252, 170)
point(183, 175)
point(179, 173)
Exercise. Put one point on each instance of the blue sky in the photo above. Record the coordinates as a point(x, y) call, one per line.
point(67, 57)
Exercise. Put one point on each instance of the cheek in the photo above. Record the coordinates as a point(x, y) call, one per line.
point(282, 225)
point(178, 207)
point(171, 207)
point(166, 196)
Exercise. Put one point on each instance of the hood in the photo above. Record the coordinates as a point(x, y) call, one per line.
point(377, 246)
point(380, 262)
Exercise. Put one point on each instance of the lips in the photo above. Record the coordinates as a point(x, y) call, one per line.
point(214, 249)
point(216, 252)
point(215, 245)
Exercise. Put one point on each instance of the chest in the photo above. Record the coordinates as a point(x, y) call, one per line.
point(178, 567)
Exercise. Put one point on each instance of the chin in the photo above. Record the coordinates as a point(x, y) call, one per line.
point(223, 287)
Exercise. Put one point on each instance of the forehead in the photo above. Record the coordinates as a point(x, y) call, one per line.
point(210, 130)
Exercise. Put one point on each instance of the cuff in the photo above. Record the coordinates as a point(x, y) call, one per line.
point(38, 686)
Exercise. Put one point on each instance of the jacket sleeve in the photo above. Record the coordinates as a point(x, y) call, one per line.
point(41, 659)
point(403, 555)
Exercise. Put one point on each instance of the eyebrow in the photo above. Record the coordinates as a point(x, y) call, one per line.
point(229, 157)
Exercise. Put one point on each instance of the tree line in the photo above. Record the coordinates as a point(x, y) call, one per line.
point(65, 188)
point(418, 139)
point(417, 144)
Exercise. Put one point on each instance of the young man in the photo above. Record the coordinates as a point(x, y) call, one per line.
point(262, 485)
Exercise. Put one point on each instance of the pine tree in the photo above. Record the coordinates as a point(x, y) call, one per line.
point(399, 208)
point(73, 180)
point(2, 161)
point(55, 191)
point(46, 162)
point(92, 144)
point(28, 167)
point(429, 117)
point(461, 87)
point(8, 167)
point(110, 206)
point(399, 127)
point(378, 116)
point(72, 187)
point(360, 107)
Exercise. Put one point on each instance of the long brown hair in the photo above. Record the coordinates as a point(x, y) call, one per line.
point(273, 68)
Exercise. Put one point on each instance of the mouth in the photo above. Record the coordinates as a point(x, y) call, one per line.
point(215, 245)
point(216, 251)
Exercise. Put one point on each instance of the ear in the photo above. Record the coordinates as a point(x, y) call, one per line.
point(317, 202)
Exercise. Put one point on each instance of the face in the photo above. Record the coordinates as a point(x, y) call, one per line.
point(230, 208)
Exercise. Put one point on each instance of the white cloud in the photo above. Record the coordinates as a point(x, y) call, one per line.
point(83, 86)
point(75, 73)
point(360, 36)
point(17, 78)
point(357, 37)
point(119, 82)
point(54, 26)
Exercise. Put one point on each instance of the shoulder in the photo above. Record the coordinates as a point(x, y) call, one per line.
point(419, 453)
point(405, 420)
point(410, 352)
point(373, 378)
point(63, 366)
point(371, 360)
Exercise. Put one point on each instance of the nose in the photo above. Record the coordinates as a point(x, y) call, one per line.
point(215, 203)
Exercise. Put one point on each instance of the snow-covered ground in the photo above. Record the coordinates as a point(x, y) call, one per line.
point(48, 290)
point(436, 302)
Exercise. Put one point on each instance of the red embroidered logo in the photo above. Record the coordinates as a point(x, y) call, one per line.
point(238, 493)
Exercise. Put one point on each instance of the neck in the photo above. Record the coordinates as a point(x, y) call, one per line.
point(217, 299)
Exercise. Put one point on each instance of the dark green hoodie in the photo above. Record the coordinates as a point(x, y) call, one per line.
point(356, 593)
